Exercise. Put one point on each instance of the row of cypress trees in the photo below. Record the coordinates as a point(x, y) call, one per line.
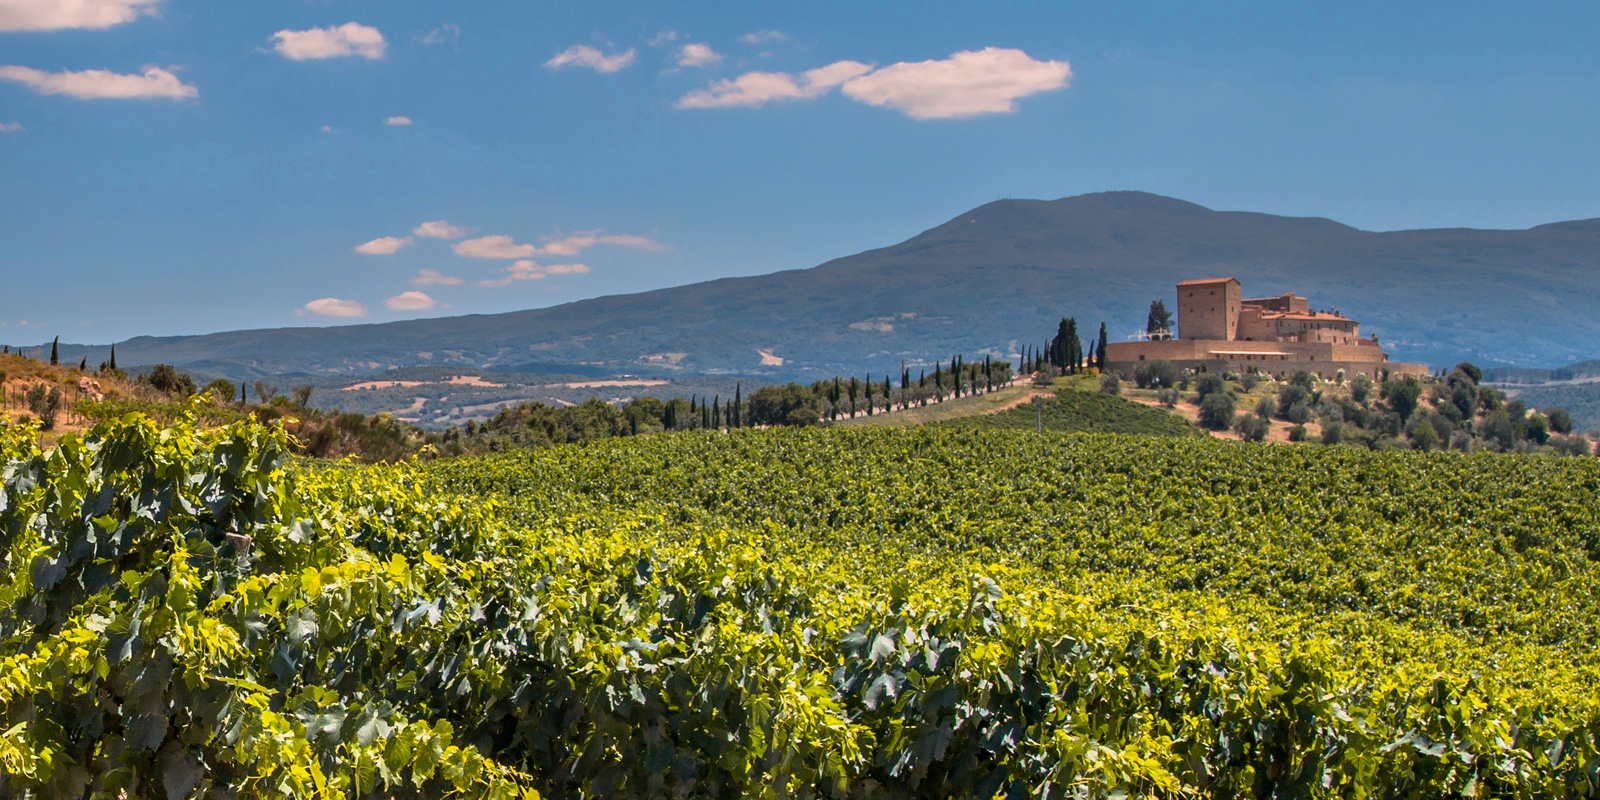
point(1066, 351)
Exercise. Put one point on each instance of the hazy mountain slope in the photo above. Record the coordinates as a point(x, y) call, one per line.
point(1003, 272)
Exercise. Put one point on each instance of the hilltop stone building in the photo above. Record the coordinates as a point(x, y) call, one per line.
point(1220, 330)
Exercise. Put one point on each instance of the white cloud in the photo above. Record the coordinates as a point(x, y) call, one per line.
point(443, 33)
point(433, 277)
point(966, 84)
point(570, 245)
point(758, 88)
point(349, 39)
point(334, 307)
point(329, 129)
point(582, 55)
point(384, 246)
point(493, 247)
point(757, 37)
point(698, 55)
point(410, 301)
point(526, 270)
point(397, 121)
point(10, 127)
point(578, 242)
point(665, 36)
point(50, 15)
point(94, 84)
point(439, 229)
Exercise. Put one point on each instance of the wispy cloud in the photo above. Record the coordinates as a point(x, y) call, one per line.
point(762, 36)
point(329, 129)
point(410, 301)
point(433, 277)
point(96, 84)
point(966, 84)
point(666, 36)
point(493, 247)
point(349, 39)
point(569, 245)
point(578, 242)
point(526, 270)
point(50, 15)
point(440, 35)
point(582, 55)
point(756, 89)
point(439, 229)
point(696, 54)
point(10, 127)
point(334, 307)
point(384, 246)
point(401, 121)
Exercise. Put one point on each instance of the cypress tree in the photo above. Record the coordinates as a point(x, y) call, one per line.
point(738, 405)
point(938, 382)
point(888, 394)
point(868, 383)
point(55, 359)
point(716, 411)
point(1100, 349)
point(113, 356)
point(955, 374)
point(83, 366)
point(669, 416)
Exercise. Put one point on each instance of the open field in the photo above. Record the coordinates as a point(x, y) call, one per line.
point(920, 612)
point(990, 403)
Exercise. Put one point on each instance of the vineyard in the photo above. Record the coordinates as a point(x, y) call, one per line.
point(928, 612)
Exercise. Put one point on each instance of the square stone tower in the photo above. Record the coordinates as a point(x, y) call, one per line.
point(1209, 309)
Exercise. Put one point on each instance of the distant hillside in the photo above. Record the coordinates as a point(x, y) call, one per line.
point(986, 281)
point(1575, 387)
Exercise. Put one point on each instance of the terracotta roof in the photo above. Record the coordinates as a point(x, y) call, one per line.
point(1207, 280)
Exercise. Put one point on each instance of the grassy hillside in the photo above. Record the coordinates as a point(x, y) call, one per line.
point(1073, 410)
point(988, 280)
point(909, 613)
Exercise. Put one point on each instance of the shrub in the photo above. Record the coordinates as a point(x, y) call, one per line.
point(1560, 420)
point(1216, 411)
point(1290, 395)
point(1402, 395)
point(1425, 437)
point(1297, 433)
point(1299, 413)
point(45, 404)
point(1267, 406)
point(802, 416)
point(1249, 380)
point(1157, 373)
point(1110, 382)
point(166, 379)
point(1360, 388)
point(1167, 397)
point(1252, 427)
point(1208, 384)
point(1332, 432)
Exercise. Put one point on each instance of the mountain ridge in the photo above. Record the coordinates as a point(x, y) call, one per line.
point(991, 280)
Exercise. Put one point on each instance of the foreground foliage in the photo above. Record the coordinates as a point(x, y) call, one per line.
point(850, 613)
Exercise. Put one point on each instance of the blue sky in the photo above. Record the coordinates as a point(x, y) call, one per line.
point(177, 166)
